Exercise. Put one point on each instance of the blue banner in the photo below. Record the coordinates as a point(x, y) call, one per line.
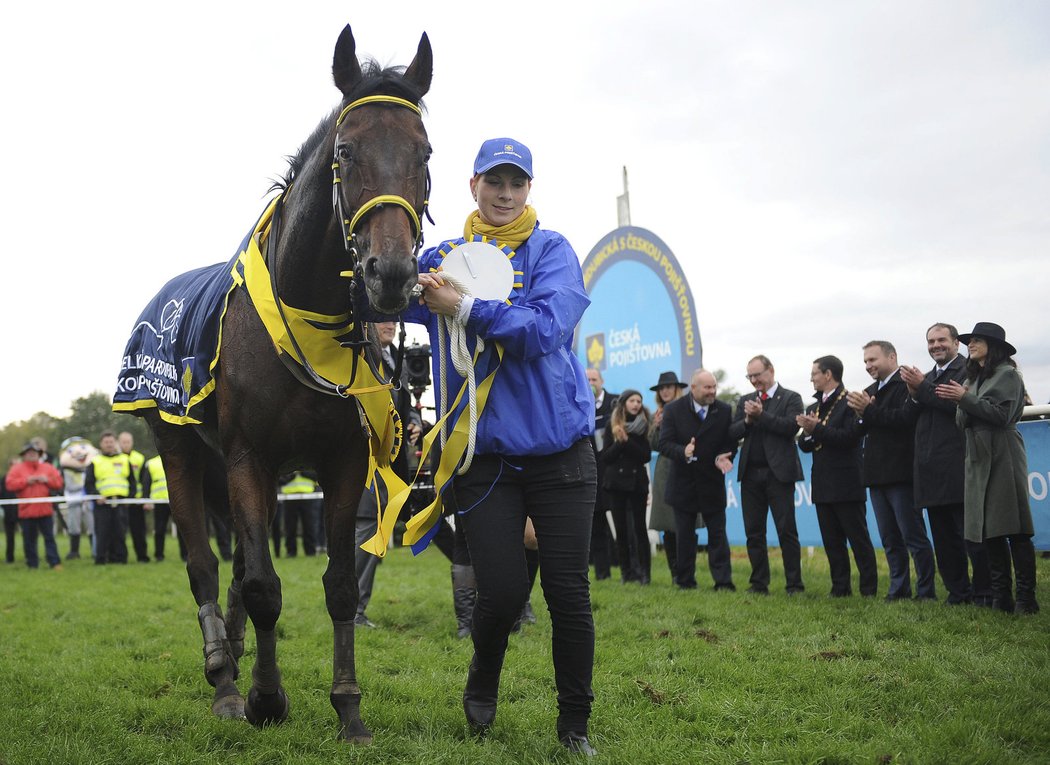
point(1036, 436)
point(642, 319)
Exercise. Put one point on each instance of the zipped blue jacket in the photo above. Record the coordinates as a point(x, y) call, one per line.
point(540, 401)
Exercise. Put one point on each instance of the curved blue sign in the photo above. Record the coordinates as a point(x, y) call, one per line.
point(642, 318)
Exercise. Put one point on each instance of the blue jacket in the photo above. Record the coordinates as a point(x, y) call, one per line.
point(540, 402)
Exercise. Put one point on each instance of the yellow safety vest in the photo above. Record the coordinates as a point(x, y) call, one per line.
point(112, 475)
point(299, 484)
point(137, 460)
point(158, 482)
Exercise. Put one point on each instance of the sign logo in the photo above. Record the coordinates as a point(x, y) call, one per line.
point(596, 351)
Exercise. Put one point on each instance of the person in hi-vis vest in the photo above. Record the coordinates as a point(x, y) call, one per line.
point(110, 475)
point(155, 489)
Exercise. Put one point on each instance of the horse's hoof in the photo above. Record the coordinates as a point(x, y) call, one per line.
point(355, 733)
point(266, 708)
point(229, 707)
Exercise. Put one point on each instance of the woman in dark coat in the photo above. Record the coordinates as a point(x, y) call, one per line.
point(996, 485)
point(626, 480)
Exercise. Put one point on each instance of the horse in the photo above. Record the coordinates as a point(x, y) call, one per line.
point(265, 415)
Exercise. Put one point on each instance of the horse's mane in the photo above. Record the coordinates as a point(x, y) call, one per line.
point(375, 80)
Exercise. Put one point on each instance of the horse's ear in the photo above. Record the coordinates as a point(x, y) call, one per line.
point(421, 70)
point(345, 70)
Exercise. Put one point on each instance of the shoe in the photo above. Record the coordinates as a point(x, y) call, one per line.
point(479, 698)
point(363, 621)
point(839, 594)
point(73, 556)
point(144, 560)
point(895, 598)
point(757, 591)
point(528, 616)
point(158, 558)
point(730, 587)
point(57, 567)
point(690, 586)
point(577, 743)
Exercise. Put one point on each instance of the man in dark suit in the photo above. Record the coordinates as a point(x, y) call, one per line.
point(939, 464)
point(830, 434)
point(601, 537)
point(767, 470)
point(889, 448)
point(694, 435)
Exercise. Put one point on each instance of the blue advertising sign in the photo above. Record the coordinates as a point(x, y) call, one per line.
point(642, 319)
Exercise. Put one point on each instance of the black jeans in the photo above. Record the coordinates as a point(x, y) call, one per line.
point(111, 529)
point(557, 492)
point(758, 492)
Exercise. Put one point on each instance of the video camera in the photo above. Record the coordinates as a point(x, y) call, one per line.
point(417, 365)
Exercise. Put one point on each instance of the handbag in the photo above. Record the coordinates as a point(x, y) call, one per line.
point(620, 478)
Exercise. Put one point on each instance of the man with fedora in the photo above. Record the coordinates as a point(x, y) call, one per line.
point(767, 471)
point(940, 452)
point(694, 435)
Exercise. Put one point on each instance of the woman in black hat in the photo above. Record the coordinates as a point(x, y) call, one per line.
point(661, 514)
point(996, 485)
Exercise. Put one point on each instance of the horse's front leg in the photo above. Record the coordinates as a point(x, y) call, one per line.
point(342, 493)
point(253, 498)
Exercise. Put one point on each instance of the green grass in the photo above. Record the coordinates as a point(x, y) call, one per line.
point(104, 665)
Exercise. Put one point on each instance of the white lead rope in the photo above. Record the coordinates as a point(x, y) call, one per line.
point(454, 334)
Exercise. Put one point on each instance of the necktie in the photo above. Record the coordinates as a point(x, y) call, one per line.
point(764, 396)
point(703, 413)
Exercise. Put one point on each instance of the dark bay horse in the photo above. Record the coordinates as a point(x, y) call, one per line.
point(262, 418)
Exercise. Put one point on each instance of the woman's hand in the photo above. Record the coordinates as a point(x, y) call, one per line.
point(619, 433)
point(438, 295)
point(951, 390)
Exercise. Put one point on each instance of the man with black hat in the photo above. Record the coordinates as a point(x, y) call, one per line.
point(767, 471)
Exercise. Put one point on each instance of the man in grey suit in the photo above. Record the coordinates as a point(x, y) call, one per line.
point(767, 471)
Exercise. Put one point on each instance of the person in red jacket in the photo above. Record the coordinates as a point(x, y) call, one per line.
point(31, 479)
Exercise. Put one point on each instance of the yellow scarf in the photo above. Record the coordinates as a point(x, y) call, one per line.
point(512, 234)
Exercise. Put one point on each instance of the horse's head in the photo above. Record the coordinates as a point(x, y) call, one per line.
point(380, 162)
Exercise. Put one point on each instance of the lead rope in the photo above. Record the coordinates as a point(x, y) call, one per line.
point(452, 333)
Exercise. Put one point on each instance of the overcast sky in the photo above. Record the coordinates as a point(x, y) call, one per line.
point(827, 173)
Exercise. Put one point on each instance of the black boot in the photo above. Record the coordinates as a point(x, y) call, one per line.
point(999, 568)
point(464, 595)
point(74, 547)
point(479, 697)
point(1024, 569)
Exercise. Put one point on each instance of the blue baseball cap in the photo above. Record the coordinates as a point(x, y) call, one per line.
point(503, 151)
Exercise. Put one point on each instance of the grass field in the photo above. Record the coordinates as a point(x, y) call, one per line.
point(104, 665)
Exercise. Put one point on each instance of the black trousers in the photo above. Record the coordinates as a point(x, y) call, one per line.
point(759, 492)
point(557, 492)
point(111, 528)
point(632, 535)
point(955, 555)
point(304, 512)
point(137, 527)
point(10, 527)
point(841, 522)
point(161, 519)
point(601, 538)
point(717, 546)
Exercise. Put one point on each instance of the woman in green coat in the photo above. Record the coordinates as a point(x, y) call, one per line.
point(996, 484)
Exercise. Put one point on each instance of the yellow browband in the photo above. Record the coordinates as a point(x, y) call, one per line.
point(378, 100)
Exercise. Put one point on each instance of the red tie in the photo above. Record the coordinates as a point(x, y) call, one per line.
point(764, 395)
